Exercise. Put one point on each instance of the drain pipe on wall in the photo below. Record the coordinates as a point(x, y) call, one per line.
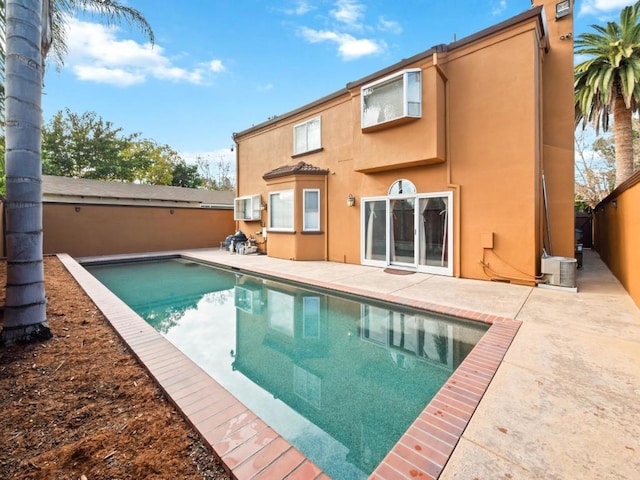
point(237, 151)
point(453, 186)
point(326, 217)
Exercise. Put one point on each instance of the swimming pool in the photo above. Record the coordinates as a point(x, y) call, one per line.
point(340, 379)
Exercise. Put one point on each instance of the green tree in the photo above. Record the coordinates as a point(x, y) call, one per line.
point(150, 163)
point(609, 82)
point(184, 175)
point(86, 146)
point(29, 28)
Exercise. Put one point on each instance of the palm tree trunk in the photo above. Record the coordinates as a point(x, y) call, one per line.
point(25, 305)
point(623, 138)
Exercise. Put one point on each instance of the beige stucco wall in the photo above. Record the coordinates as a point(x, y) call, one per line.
point(617, 234)
point(490, 124)
point(105, 229)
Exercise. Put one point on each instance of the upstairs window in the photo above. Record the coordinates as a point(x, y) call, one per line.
point(307, 136)
point(394, 97)
point(247, 208)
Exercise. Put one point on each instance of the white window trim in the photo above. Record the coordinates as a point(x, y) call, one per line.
point(254, 206)
point(404, 74)
point(304, 210)
point(448, 270)
point(307, 122)
point(293, 212)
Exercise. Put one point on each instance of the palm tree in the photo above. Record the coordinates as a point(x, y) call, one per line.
point(609, 82)
point(30, 29)
point(25, 304)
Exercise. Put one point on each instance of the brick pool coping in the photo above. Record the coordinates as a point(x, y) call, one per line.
point(247, 447)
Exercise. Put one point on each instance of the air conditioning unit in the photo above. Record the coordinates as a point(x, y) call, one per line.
point(559, 271)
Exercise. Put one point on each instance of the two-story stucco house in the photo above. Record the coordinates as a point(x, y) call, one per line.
point(456, 161)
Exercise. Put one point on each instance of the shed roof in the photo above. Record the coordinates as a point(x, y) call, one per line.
point(62, 188)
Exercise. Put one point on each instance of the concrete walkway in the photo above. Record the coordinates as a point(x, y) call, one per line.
point(565, 402)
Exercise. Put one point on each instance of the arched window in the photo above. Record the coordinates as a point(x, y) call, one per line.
point(402, 187)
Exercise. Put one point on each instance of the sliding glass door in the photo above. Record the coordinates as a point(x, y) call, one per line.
point(402, 227)
point(374, 231)
point(433, 213)
point(412, 231)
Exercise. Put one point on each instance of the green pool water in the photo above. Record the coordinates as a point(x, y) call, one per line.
point(341, 379)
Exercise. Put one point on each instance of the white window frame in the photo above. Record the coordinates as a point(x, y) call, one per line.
point(448, 270)
point(271, 211)
point(299, 130)
point(367, 90)
point(315, 228)
point(254, 202)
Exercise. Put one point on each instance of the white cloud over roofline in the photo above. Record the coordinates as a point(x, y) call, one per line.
point(349, 47)
point(96, 54)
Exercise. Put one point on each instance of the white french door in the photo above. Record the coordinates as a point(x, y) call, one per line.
point(402, 231)
point(409, 231)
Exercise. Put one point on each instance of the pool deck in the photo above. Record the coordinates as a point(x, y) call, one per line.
point(564, 401)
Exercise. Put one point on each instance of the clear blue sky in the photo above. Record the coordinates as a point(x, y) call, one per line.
point(221, 66)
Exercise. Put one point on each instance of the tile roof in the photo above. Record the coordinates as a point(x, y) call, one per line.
point(53, 186)
point(300, 168)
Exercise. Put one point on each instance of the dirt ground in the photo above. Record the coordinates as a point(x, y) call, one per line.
point(79, 406)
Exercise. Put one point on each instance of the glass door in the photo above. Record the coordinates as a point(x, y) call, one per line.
point(435, 240)
point(374, 231)
point(402, 231)
point(409, 230)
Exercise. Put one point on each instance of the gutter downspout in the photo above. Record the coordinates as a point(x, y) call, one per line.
point(237, 149)
point(457, 220)
point(326, 218)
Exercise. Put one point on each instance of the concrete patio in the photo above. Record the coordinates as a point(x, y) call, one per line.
point(565, 401)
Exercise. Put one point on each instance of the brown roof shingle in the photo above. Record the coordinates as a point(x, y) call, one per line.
point(300, 168)
point(86, 188)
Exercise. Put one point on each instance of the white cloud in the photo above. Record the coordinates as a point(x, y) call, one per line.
point(96, 54)
point(265, 88)
point(302, 7)
point(216, 66)
point(498, 8)
point(596, 7)
point(349, 12)
point(113, 76)
point(349, 47)
point(389, 26)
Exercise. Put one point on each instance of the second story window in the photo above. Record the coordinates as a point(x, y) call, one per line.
point(307, 136)
point(394, 97)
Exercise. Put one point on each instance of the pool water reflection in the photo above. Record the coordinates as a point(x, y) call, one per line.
point(338, 378)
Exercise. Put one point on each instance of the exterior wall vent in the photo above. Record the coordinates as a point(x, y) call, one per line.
point(559, 271)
